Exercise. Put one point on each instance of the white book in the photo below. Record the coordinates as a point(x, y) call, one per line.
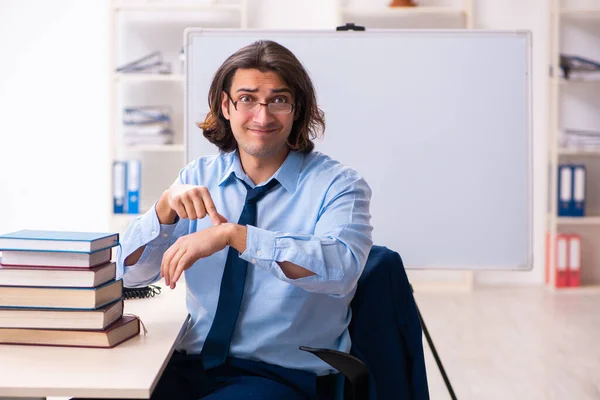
point(55, 258)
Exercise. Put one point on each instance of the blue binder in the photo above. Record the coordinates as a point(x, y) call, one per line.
point(119, 186)
point(579, 190)
point(565, 190)
point(134, 171)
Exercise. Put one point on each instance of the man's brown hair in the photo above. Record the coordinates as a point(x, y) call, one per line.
point(266, 56)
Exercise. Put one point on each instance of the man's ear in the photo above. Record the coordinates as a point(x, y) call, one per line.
point(225, 105)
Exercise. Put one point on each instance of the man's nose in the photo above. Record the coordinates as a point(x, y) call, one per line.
point(263, 115)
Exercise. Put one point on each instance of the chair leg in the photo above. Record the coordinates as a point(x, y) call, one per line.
point(436, 356)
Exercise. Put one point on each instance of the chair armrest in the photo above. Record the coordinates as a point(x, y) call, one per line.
point(355, 371)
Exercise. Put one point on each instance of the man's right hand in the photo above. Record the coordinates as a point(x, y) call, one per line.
point(187, 201)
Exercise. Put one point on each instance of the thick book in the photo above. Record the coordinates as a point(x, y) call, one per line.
point(47, 318)
point(26, 258)
point(123, 329)
point(79, 242)
point(55, 276)
point(61, 297)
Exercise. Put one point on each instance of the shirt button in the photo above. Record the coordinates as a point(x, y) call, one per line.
point(259, 253)
point(165, 235)
point(154, 232)
point(253, 261)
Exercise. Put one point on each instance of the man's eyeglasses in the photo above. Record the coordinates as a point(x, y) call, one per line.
point(253, 106)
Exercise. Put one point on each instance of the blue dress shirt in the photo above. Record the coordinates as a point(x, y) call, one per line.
point(317, 218)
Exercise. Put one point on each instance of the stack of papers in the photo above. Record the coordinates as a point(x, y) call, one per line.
point(149, 125)
point(580, 139)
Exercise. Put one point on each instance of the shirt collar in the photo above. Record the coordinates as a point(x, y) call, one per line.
point(287, 174)
point(234, 166)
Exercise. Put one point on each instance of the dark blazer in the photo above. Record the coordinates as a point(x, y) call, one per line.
point(386, 330)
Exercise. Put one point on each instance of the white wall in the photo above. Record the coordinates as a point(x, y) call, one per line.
point(53, 104)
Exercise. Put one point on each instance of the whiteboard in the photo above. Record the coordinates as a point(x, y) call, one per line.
point(437, 122)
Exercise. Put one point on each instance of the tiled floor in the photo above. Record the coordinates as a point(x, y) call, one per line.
point(514, 343)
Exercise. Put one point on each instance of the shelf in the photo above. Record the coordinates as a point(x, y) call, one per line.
point(578, 220)
point(172, 148)
point(119, 77)
point(391, 12)
point(581, 13)
point(174, 6)
point(577, 152)
point(577, 289)
point(564, 81)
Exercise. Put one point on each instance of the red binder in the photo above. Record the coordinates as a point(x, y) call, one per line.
point(562, 260)
point(561, 254)
point(574, 265)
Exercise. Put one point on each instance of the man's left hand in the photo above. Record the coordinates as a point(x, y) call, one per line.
point(190, 248)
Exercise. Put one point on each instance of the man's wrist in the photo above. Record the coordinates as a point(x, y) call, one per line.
point(166, 215)
point(235, 235)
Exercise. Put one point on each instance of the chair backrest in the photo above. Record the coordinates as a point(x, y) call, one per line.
point(386, 330)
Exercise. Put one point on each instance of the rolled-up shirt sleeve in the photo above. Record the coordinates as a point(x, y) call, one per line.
point(337, 251)
point(145, 230)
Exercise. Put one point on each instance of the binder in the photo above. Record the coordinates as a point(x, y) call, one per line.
point(134, 168)
point(574, 265)
point(562, 260)
point(579, 190)
point(565, 190)
point(119, 179)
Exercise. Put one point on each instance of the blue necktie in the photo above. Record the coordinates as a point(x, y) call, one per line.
point(216, 346)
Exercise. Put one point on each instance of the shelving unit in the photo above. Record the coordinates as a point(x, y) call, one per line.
point(428, 14)
point(575, 29)
point(140, 27)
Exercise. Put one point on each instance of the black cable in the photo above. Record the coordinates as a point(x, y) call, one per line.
point(141, 293)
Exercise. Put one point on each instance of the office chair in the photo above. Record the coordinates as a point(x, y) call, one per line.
point(386, 360)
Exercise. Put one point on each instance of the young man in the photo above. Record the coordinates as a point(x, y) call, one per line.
point(271, 235)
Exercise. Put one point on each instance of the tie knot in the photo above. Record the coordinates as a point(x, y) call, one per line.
point(254, 195)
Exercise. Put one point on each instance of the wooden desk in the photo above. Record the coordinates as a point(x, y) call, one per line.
point(130, 370)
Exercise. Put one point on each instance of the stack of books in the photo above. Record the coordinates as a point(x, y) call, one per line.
point(60, 289)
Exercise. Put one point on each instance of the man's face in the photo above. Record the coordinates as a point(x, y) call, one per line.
point(259, 132)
